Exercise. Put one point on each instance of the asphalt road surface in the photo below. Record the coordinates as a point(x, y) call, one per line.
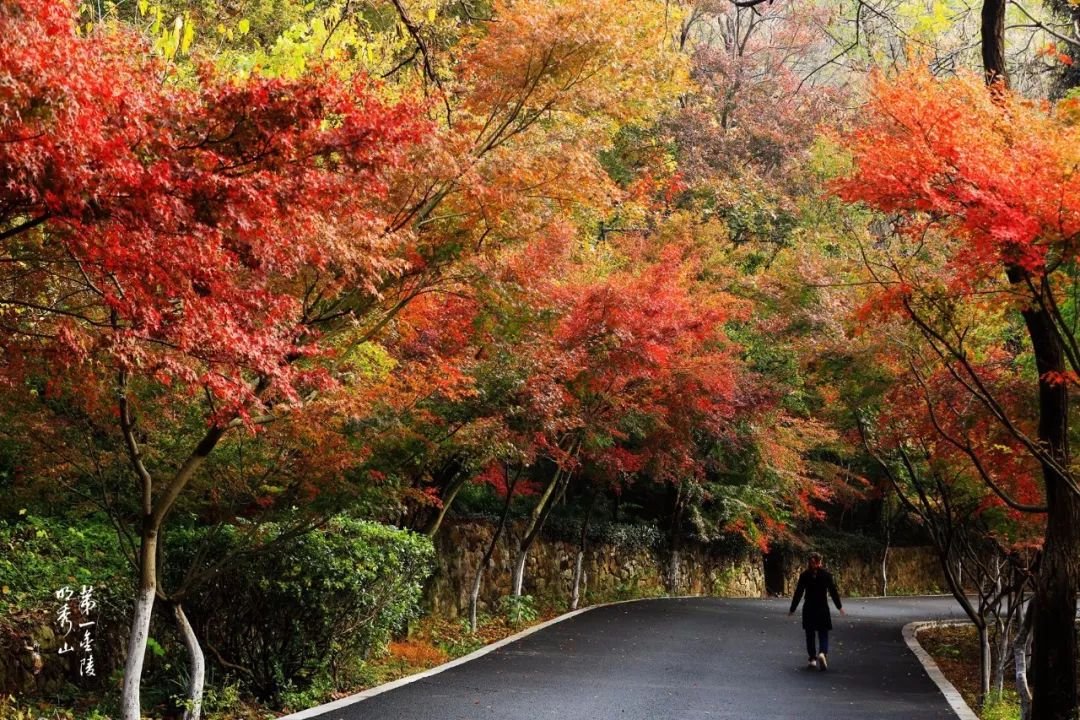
point(686, 658)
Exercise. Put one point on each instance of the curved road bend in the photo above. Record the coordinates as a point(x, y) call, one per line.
point(686, 658)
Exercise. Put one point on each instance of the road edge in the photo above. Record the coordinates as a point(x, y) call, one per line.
point(952, 695)
point(408, 679)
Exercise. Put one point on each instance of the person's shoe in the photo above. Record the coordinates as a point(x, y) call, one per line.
point(812, 664)
point(822, 663)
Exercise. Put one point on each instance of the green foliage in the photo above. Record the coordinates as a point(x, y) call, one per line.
point(155, 647)
point(15, 709)
point(828, 160)
point(222, 700)
point(835, 545)
point(634, 587)
point(633, 149)
point(519, 609)
point(773, 360)
point(288, 609)
point(627, 537)
point(40, 555)
point(756, 213)
point(1004, 706)
point(480, 501)
point(949, 651)
point(369, 360)
point(304, 696)
point(460, 640)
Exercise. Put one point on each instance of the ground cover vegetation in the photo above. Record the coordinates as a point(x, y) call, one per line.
point(287, 286)
point(955, 650)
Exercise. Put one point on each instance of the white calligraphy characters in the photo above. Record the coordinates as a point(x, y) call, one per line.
point(64, 620)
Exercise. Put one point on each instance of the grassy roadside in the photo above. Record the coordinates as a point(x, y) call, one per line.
point(956, 651)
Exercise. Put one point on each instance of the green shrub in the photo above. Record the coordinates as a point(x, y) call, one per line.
point(303, 607)
point(519, 609)
point(1004, 706)
point(457, 639)
point(950, 651)
point(219, 701)
point(40, 555)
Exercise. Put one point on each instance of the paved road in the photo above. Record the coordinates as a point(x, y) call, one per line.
point(685, 659)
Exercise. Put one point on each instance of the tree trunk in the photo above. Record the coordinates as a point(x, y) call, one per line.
point(885, 570)
point(197, 664)
point(1054, 621)
point(536, 523)
point(886, 521)
point(1020, 655)
point(153, 520)
point(675, 540)
point(957, 589)
point(984, 661)
point(474, 596)
point(673, 571)
point(140, 624)
point(575, 592)
point(1002, 658)
point(519, 572)
point(1054, 638)
point(451, 492)
point(992, 32)
point(449, 478)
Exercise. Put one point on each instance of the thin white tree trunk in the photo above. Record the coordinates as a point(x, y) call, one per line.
point(579, 562)
point(575, 593)
point(197, 664)
point(885, 571)
point(1020, 653)
point(474, 596)
point(1004, 630)
point(136, 653)
point(519, 572)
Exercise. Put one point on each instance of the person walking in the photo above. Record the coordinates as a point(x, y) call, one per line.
point(816, 583)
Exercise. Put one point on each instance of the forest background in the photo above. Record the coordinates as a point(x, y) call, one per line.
point(287, 287)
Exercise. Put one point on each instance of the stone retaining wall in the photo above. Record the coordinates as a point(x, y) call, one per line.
point(614, 573)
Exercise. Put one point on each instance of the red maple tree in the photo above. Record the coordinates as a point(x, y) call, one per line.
point(199, 240)
point(983, 219)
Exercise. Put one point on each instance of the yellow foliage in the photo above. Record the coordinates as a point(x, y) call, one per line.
point(586, 57)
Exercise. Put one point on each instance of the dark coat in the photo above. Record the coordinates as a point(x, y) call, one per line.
point(815, 613)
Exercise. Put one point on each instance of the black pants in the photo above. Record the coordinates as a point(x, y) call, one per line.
point(823, 642)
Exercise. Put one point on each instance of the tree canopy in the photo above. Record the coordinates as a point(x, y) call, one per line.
point(737, 270)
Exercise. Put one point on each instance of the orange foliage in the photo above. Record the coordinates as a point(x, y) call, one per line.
point(418, 653)
point(993, 170)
